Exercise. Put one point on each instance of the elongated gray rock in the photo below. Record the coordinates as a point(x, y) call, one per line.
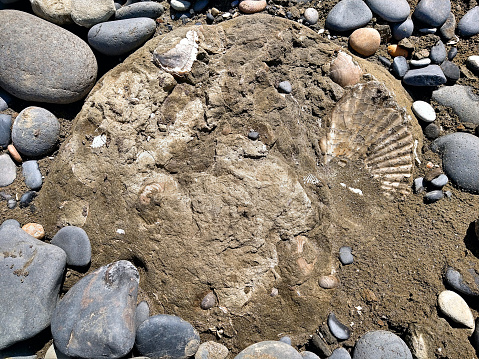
point(270, 350)
point(76, 244)
point(45, 62)
point(348, 15)
point(392, 11)
point(469, 24)
point(454, 279)
point(30, 278)
point(96, 318)
point(8, 170)
point(463, 101)
point(150, 9)
point(431, 75)
point(432, 12)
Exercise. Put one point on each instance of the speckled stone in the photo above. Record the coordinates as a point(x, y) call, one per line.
point(142, 313)
point(461, 99)
point(454, 279)
point(438, 53)
point(432, 12)
point(270, 350)
point(311, 15)
point(433, 196)
point(346, 255)
point(285, 87)
point(390, 10)
point(448, 29)
point(211, 350)
point(455, 308)
point(451, 71)
point(432, 131)
point(469, 24)
point(431, 75)
point(365, 41)
point(348, 15)
point(32, 175)
point(150, 9)
point(340, 353)
point(76, 244)
point(309, 355)
point(440, 181)
point(381, 344)
point(399, 67)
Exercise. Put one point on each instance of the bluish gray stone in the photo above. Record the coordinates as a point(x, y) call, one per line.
point(27, 198)
point(31, 273)
point(200, 5)
point(454, 280)
point(96, 317)
point(118, 37)
point(399, 67)
point(209, 301)
point(11, 203)
point(381, 344)
point(440, 181)
point(253, 135)
point(419, 185)
point(5, 130)
point(338, 329)
point(460, 159)
point(285, 339)
point(45, 62)
point(270, 350)
point(150, 9)
point(76, 244)
point(461, 99)
point(432, 131)
point(390, 10)
point(285, 87)
point(167, 336)
point(142, 313)
point(348, 15)
point(346, 255)
point(32, 175)
point(452, 53)
point(5, 99)
point(8, 170)
point(420, 63)
point(432, 12)
point(423, 111)
point(402, 30)
point(447, 30)
point(433, 196)
point(431, 75)
point(438, 53)
point(469, 24)
point(35, 132)
point(309, 355)
point(385, 61)
point(340, 353)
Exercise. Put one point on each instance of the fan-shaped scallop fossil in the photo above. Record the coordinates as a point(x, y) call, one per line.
point(179, 60)
point(367, 124)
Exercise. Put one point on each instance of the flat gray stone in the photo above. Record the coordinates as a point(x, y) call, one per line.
point(338, 329)
point(399, 67)
point(32, 175)
point(460, 159)
point(402, 30)
point(8, 170)
point(150, 9)
point(448, 29)
point(45, 62)
point(346, 255)
point(5, 130)
point(31, 274)
point(348, 15)
point(270, 350)
point(433, 13)
point(454, 280)
point(451, 71)
point(420, 63)
point(381, 344)
point(469, 24)
point(423, 111)
point(462, 101)
point(431, 75)
point(76, 244)
point(472, 64)
point(438, 53)
point(390, 10)
point(56, 11)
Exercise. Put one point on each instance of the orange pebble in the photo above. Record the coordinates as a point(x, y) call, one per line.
point(14, 153)
point(395, 50)
point(35, 230)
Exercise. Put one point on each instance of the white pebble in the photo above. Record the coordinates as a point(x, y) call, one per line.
point(311, 15)
point(456, 308)
point(424, 111)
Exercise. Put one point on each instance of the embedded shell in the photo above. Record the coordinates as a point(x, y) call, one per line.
point(344, 71)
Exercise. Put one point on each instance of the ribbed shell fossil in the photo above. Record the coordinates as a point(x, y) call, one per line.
point(179, 60)
point(344, 71)
point(366, 124)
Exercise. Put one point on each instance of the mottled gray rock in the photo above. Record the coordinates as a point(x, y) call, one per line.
point(121, 36)
point(76, 244)
point(392, 11)
point(402, 29)
point(32, 175)
point(431, 75)
point(35, 132)
point(211, 350)
point(150, 9)
point(338, 329)
point(460, 159)
point(31, 274)
point(451, 71)
point(346, 255)
point(432, 12)
point(419, 185)
point(5, 130)
point(340, 353)
point(438, 53)
point(348, 15)
point(432, 131)
point(448, 29)
point(285, 87)
point(399, 67)
point(270, 350)
point(56, 11)
point(208, 301)
point(8, 170)
point(381, 344)
point(91, 12)
point(27, 198)
point(45, 62)
point(142, 313)
point(469, 24)
point(461, 99)
point(454, 280)
point(96, 318)
point(311, 15)
point(174, 338)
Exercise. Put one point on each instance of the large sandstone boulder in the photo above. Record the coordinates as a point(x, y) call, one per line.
point(159, 170)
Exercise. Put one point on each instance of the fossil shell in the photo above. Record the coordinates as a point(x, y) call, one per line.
point(328, 281)
point(366, 124)
point(344, 71)
point(179, 60)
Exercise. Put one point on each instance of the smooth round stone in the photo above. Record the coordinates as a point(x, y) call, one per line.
point(338, 329)
point(463, 101)
point(423, 111)
point(180, 5)
point(91, 12)
point(118, 37)
point(454, 280)
point(432, 131)
point(252, 6)
point(365, 41)
point(311, 15)
point(5, 130)
point(431, 75)
point(8, 170)
point(346, 255)
point(45, 62)
point(438, 53)
point(472, 64)
point(309, 355)
point(56, 11)
point(150, 9)
point(142, 313)
point(32, 175)
point(253, 135)
point(174, 337)
point(433, 196)
point(200, 5)
point(390, 10)
point(469, 24)
point(432, 12)
point(348, 15)
point(270, 350)
point(381, 344)
point(286, 340)
point(285, 87)
point(420, 63)
point(209, 301)
point(440, 181)
point(76, 244)
point(211, 350)
point(35, 132)
point(402, 30)
point(455, 308)
point(328, 281)
point(399, 67)
point(460, 159)
point(418, 185)
point(452, 53)
point(447, 30)
point(451, 71)
point(340, 353)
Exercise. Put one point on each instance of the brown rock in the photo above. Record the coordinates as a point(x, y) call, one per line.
point(365, 41)
point(14, 153)
point(35, 230)
point(430, 175)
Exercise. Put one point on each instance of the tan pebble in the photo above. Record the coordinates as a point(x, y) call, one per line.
point(252, 6)
point(395, 50)
point(365, 41)
point(328, 282)
point(456, 308)
point(14, 153)
point(433, 173)
point(344, 71)
point(430, 165)
point(35, 230)
point(209, 301)
point(215, 12)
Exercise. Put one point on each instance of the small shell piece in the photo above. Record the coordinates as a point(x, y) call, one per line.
point(252, 6)
point(328, 282)
point(35, 230)
point(344, 71)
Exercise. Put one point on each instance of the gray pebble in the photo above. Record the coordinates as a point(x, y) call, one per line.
point(309, 355)
point(469, 24)
point(285, 87)
point(338, 329)
point(27, 198)
point(210, 18)
point(209, 301)
point(390, 10)
point(117, 5)
point(432, 131)
point(321, 346)
point(431, 75)
point(418, 185)
point(472, 64)
point(150, 9)
point(8, 170)
point(269, 349)
point(211, 350)
point(340, 353)
point(346, 255)
point(423, 111)
point(432, 12)
point(451, 71)
point(454, 280)
point(399, 67)
point(448, 194)
point(448, 29)
point(433, 196)
point(348, 15)
point(11, 203)
point(420, 63)
point(385, 61)
point(5, 99)
point(452, 53)
point(5, 130)
point(75, 242)
point(32, 175)
point(461, 99)
point(285, 339)
point(381, 344)
point(440, 181)
point(142, 313)
point(311, 15)
point(253, 135)
point(5, 196)
point(438, 53)
point(402, 30)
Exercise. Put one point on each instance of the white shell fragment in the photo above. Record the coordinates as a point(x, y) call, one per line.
point(456, 308)
point(179, 60)
point(367, 125)
point(344, 71)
